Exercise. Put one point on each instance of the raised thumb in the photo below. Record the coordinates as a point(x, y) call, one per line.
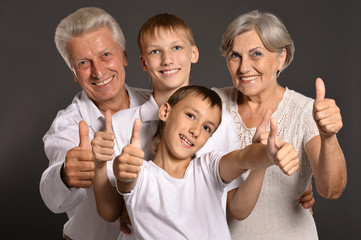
point(262, 126)
point(135, 140)
point(320, 89)
point(84, 135)
point(108, 122)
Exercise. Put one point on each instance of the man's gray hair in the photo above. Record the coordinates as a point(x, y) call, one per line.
point(83, 21)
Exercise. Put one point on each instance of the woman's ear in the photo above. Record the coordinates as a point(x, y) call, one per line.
point(282, 59)
point(164, 112)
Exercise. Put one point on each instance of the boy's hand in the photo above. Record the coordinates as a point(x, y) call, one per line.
point(261, 134)
point(126, 166)
point(325, 112)
point(103, 143)
point(282, 154)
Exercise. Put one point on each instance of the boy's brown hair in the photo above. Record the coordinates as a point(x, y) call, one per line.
point(208, 95)
point(165, 21)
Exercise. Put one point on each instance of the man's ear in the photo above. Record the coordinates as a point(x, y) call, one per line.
point(164, 111)
point(74, 75)
point(125, 58)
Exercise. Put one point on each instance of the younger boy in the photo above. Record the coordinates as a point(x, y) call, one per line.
point(177, 195)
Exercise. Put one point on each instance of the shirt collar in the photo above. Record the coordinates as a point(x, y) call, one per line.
point(149, 110)
point(89, 110)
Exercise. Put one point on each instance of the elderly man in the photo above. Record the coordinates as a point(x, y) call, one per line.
point(93, 46)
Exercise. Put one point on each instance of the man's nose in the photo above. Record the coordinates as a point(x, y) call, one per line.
point(98, 69)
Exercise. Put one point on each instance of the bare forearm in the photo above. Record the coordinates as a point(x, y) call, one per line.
point(241, 201)
point(108, 200)
point(253, 157)
point(330, 173)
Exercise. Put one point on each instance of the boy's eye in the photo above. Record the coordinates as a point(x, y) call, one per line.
point(208, 129)
point(190, 115)
point(177, 48)
point(154, 51)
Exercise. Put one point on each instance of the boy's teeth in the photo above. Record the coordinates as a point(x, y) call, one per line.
point(104, 82)
point(184, 139)
point(170, 71)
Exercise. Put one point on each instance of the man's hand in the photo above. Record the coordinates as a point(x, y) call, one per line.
point(325, 112)
point(78, 169)
point(282, 154)
point(103, 143)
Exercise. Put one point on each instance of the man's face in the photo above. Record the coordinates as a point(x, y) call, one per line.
point(98, 65)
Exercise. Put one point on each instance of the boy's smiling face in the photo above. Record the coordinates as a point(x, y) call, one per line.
point(188, 125)
point(167, 56)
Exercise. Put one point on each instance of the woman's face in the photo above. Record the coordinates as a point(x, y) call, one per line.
point(252, 67)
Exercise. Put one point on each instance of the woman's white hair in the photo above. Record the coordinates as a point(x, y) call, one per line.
point(83, 21)
point(270, 29)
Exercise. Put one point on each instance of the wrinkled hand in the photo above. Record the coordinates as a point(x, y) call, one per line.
point(325, 112)
point(126, 166)
point(78, 170)
point(261, 134)
point(103, 143)
point(282, 154)
point(307, 200)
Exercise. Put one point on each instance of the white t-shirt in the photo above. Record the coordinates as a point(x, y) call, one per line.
point(223, 139)
point(163, 207)
point(79, 204)
point(278, 214)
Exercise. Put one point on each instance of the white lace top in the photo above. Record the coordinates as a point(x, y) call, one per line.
point(278, 214)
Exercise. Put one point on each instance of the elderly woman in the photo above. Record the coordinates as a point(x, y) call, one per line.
point(258, 47)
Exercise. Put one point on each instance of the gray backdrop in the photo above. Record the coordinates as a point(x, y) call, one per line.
point(35, 84)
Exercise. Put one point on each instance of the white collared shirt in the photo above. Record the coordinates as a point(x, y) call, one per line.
point(63, 135)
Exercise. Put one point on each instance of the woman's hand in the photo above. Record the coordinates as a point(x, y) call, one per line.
point(325, 112)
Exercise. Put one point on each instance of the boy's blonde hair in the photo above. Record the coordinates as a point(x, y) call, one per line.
point(165, 21)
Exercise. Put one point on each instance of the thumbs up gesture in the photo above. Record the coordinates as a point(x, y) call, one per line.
point(103, 143)
point(281, 154)
point(126, 166)
point(325, 112)
point(78, 169)
point(261, 134)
